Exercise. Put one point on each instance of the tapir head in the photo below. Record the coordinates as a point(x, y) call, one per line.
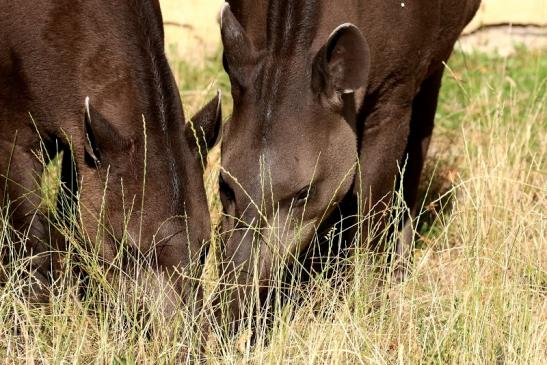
point(139, 163)
point(142, 189)
point(99, 87)
point(289, 150)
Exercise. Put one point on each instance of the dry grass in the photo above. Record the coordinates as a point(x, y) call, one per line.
point(478, 293)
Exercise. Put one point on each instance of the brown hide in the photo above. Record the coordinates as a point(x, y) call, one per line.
point(90, 78)
point(319, 86)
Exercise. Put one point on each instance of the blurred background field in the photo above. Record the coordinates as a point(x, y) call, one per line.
point(191, 28)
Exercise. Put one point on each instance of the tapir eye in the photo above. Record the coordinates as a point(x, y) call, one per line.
point(304, 195)
point(92, 153)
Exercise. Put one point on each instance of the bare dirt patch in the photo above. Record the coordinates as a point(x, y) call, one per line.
point(504, 39)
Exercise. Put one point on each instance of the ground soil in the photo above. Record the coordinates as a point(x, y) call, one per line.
point(504, 39)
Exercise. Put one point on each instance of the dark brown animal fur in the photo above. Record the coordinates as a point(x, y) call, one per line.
point(318, 86)
point(55, 55)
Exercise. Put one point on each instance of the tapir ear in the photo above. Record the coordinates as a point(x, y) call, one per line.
point(238, 48)
point(342, 65)
point(203, 129)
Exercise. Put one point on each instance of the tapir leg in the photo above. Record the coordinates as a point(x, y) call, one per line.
point(20, 173)
point(421, 129)
point(384, 141)
point(385, 136)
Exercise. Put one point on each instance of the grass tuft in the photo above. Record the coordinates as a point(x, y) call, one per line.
point(478, 292)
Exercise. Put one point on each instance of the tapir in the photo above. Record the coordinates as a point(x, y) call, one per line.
point(91, 79)
point(332, 100)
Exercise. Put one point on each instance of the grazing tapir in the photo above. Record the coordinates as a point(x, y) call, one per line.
point(330, 98)
point(90, 78)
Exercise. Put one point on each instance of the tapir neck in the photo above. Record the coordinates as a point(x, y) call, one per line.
point(280, 26)
point(284, 27)
point(293, 24)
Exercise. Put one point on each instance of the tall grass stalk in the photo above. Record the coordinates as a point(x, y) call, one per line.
point(477, 293)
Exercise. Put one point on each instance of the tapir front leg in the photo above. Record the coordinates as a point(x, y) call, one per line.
point(421, 129)
point(384, 140)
